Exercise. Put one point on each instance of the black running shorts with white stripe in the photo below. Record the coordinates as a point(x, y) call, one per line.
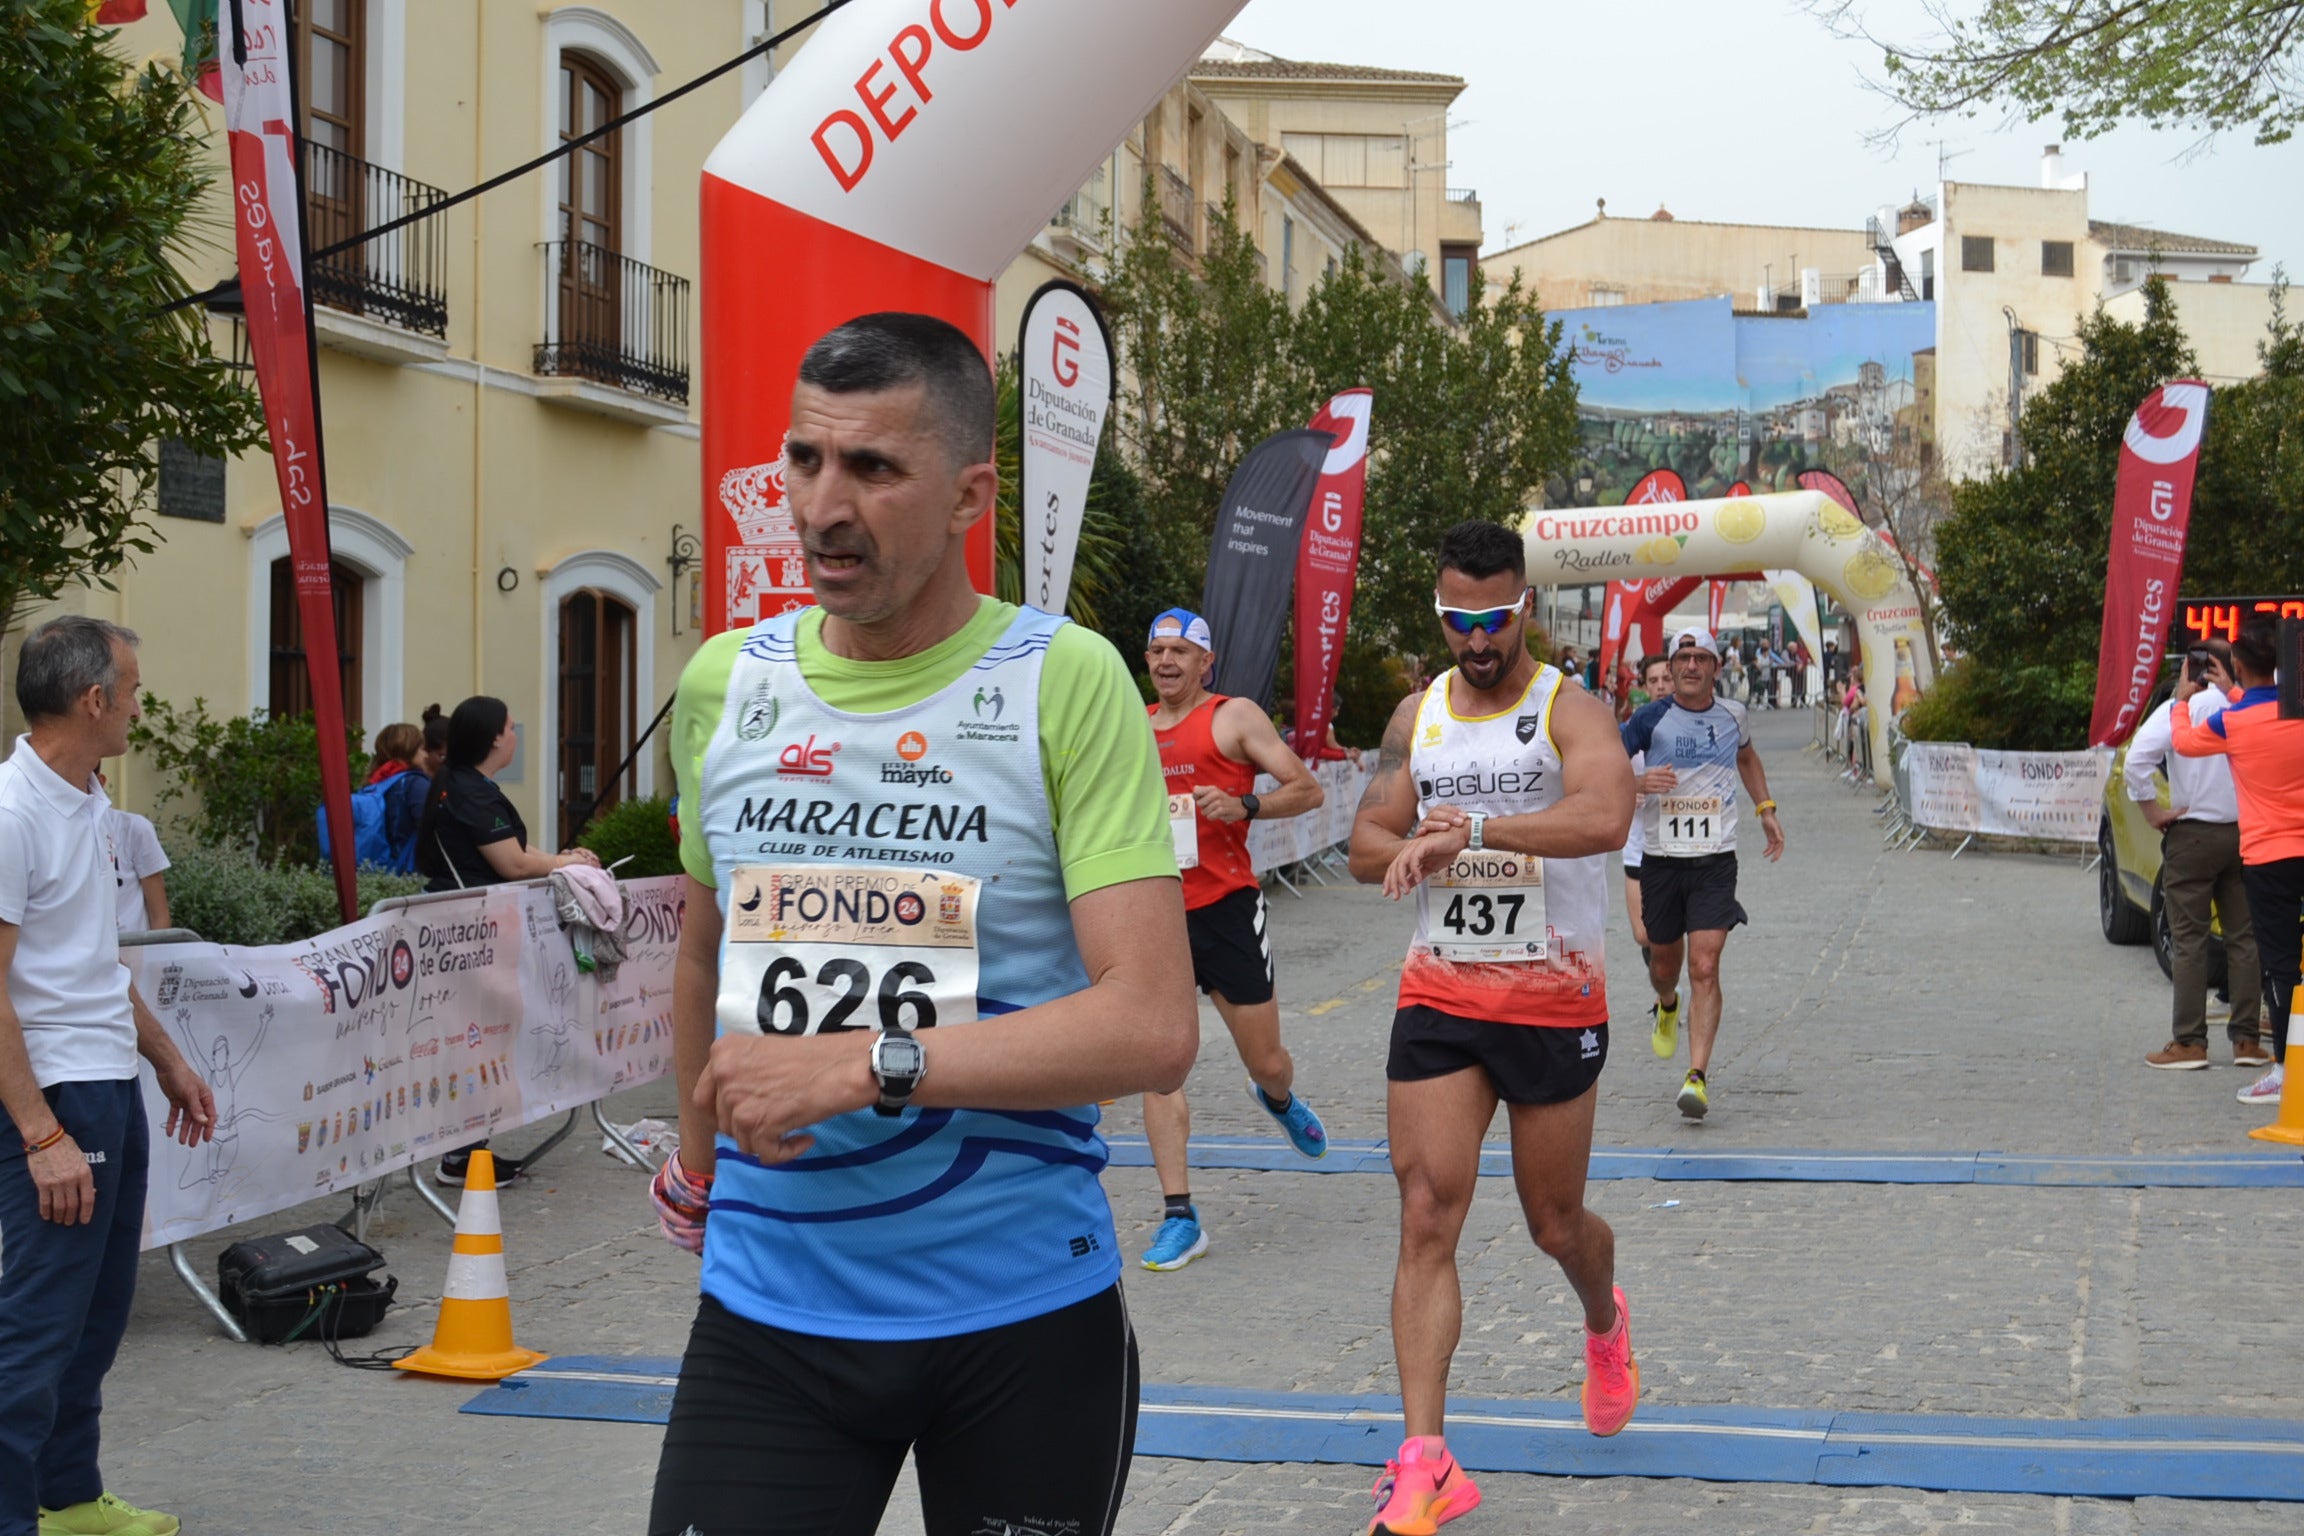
point(1231, 952)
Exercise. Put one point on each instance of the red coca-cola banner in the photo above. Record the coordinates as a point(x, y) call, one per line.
point(259, 117)
point(1328, 564)
point(2151, 514)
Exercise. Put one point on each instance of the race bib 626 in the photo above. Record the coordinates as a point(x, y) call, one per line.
point(814, 948)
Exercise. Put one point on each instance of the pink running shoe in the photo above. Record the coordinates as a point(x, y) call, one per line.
point(1422, 1491)
point(1611, 1375)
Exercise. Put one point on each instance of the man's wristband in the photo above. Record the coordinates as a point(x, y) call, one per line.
point(45, 1142)
point(1765, 806)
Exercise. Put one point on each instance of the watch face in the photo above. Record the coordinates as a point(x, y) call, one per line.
point(898, 1058)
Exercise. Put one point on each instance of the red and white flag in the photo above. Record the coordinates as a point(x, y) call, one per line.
point(2151, 515)
point(260, 117)
point(1328, 564)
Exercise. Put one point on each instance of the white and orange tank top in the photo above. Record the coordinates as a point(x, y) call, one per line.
point(1504, 937)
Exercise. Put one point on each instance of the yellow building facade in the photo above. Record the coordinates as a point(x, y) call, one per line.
point(1659, 259)
point(507, 389)
point(507, 392)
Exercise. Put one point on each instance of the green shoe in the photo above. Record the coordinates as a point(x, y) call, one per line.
point(1695, 1099)
point(1664, 1039)
point(106, 1516)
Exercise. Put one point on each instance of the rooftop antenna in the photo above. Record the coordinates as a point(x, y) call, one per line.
point(1945, 157)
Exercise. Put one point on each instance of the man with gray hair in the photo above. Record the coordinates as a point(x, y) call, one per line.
point(73, 1141)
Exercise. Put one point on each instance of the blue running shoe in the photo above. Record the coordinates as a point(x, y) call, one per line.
point(1305, 1132)
point(1178, 1243)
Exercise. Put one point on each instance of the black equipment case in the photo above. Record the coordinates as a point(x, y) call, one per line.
point(316, 1283)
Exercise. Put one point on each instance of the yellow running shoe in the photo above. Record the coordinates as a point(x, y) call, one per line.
point(106, 1515)
point(1664, 1039)
point(1695, 1099)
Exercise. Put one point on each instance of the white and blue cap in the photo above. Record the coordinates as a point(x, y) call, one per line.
point(1181, 624)
point(1697, 636)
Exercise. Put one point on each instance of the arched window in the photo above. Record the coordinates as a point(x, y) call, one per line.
point(290, 692)
point(599, 703)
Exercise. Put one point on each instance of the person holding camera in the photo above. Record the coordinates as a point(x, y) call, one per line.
point(2267, 757)
point(2199, 866)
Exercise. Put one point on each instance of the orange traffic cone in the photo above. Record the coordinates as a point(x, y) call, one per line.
point(2288, 1129)
point(474, 1337)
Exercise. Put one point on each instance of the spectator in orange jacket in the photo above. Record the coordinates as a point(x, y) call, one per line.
point(2267, 756)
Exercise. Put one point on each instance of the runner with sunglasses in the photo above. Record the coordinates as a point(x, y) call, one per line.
point(1695, 746)
point(1500, 793)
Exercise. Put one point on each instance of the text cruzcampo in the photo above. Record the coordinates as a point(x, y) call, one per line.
point(909, 823)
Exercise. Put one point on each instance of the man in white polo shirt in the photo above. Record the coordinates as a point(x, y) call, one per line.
point(73, 1140)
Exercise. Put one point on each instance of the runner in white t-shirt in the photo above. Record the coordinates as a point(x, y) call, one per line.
point(1697, 747)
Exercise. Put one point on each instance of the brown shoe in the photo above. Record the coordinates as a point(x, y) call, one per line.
point(2251, 1052)
point(2176, 1056)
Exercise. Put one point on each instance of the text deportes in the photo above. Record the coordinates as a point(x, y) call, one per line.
point(909, 51)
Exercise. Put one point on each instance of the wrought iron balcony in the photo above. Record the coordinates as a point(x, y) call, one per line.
point(614, 321)
point(395, 278)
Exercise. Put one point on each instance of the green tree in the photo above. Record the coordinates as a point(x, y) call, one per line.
point(247, 784)
point(104, 172)
point(2248, 503)
point(1208, 372)
point(2208, 64)
point(1472, 416)
point(2022, 557)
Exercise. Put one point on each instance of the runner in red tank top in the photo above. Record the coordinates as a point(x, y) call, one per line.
point(1211, 748)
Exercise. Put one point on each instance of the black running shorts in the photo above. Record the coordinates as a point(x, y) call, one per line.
point(1527, 1063)
point(1682, 896)
point(1027, 1427)
point(1230, 952)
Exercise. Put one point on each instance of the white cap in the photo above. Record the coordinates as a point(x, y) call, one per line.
point(1699, 637)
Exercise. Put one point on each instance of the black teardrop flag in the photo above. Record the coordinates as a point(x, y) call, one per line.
point(1252, 560)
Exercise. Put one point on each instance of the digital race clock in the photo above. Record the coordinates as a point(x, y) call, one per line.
point(2220, 618)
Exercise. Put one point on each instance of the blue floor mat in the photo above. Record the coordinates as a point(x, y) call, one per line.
point(2207, 1170)
point(2158, 1457)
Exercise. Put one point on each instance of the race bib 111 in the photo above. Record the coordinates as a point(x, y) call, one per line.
point(1689, 824)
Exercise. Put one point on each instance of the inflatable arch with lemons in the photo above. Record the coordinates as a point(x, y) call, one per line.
point(1802, 531)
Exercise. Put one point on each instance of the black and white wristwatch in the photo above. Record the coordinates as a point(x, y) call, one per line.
point(899, 1062)
point(1478, 821)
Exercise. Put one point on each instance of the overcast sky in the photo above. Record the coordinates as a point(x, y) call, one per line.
point(1746, 112)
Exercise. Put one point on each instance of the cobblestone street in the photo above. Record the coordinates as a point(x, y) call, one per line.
point(1877, 1002)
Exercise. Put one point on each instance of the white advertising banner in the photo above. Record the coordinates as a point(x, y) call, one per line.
point(1066, 384)
point(2054, 796)
point(1943, 779)
point(1272, 844)
point(405, 1035)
